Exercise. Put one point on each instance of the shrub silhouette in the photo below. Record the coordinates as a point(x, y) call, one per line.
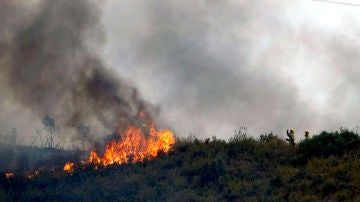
point(241, 169)
point(328, 143)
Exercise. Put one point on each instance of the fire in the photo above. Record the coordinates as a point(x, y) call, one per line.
point(33, 174)
point(9, 174)
point(69, 167)
point(135, 144)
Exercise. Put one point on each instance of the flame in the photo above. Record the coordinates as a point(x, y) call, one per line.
point(9, 174)
point(69, 167)
point(135, 144)
point(31, 175)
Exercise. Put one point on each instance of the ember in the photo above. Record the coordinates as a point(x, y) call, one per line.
point(9, 174)
point(33, 174)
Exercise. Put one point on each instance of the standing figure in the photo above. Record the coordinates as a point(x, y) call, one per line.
point(291, 136)
point(307, 135)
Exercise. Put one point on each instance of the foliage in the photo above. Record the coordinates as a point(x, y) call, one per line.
point(242, 169)
point(49, 124)
point(328, 143)
point(29, 157)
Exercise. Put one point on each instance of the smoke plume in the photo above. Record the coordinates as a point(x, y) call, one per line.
point(212, 66)
point(50, 63)
point(219, 65)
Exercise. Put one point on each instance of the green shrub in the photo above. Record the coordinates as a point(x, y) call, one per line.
point(242, 169)
point(328, 143)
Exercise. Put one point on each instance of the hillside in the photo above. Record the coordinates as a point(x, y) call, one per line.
point(21, 157)
point(324, 168)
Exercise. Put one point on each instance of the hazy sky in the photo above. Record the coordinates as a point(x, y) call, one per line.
point(213, 66)
point(209, 66)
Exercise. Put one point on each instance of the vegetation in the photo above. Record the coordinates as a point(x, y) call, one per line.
point(29, 158)
point(324, 168)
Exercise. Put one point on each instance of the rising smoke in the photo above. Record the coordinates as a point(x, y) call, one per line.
point(50, 65)
point(212, 66)
point(220, 65)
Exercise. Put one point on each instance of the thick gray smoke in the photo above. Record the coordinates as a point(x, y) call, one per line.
point(50, 65)
point(214, 66)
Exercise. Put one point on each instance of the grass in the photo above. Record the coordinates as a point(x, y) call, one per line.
point(241, 169)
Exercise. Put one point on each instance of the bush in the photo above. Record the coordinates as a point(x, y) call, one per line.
point(242, 169)
point(328, 143)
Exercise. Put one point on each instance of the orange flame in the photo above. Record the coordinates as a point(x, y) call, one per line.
point(9, 174)
point(135, 145)
point(33, 174)
point(69, 167)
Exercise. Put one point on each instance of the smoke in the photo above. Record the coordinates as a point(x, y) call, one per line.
point(50, 63)
point(214, 66)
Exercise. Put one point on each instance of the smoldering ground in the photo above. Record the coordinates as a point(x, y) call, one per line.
point(50, 63)
point(216, 65)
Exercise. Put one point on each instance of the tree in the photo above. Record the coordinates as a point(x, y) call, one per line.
point(83, 131)
point(50, 126)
